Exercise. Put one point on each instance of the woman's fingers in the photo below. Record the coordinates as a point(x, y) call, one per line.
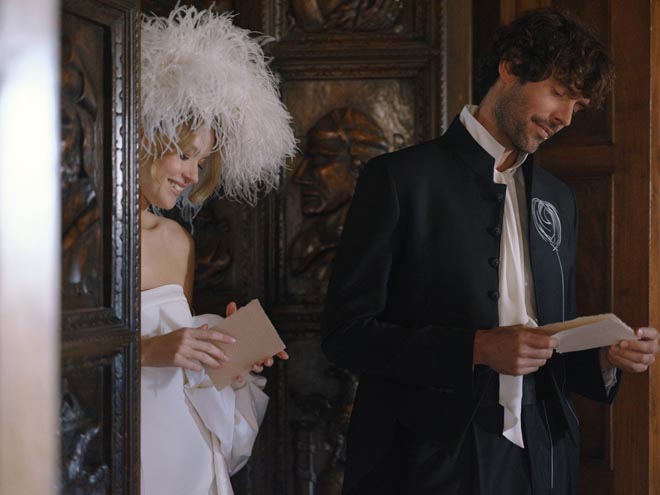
point(211, 335)
point(204, 358)
point(231, 308)
point(183, 362)
point(211, 350)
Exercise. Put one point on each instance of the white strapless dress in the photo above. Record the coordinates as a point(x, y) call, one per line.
point(193, 437)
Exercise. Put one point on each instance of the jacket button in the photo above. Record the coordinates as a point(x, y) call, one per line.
point(494, 262)
point(495, 231)
point(494, 295)
point(499, 197)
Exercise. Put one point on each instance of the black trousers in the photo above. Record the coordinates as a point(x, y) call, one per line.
point(484, 462)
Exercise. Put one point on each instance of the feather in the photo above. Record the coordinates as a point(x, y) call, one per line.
point(198, 67)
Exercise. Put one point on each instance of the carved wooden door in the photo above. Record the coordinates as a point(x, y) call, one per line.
point(99, 410)
point(610, 159)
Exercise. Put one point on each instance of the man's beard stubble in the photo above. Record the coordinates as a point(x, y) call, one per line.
point(509, 116)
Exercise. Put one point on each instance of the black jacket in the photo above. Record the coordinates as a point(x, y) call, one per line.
point(416, 274)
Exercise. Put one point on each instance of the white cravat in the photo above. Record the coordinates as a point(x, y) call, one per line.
point(512, 305)
point(515, 304)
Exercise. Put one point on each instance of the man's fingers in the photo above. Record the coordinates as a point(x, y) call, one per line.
point(282, 355)
point(626, 364)
point(645, 346)
point(527, 351)
point(539, 340)
point(649, 333)
point(631, 355)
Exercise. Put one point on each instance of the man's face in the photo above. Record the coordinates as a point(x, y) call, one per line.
point(327, 181)
point(530, 113)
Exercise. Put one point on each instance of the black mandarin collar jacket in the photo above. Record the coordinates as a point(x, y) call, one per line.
point(416, 274)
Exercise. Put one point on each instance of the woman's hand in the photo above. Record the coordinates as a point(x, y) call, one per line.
point(257, 367)
point(187, 348)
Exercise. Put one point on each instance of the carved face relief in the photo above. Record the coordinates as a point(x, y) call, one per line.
point(339, 144)
point(327, 181)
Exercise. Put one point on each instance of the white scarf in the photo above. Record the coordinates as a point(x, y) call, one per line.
point(515, 304)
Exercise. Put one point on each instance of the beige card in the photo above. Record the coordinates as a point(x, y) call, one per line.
point(588, 332)
point(256, 339)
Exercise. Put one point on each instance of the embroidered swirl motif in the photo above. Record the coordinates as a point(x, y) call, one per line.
point(548, 225)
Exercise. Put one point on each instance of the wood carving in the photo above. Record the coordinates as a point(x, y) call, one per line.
point(213, 254)
point(338, 145)
point(81, 209)
point(331, 417)
point(346, 15)
point(80, 474)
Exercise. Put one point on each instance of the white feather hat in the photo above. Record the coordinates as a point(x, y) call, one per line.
point(198, 67)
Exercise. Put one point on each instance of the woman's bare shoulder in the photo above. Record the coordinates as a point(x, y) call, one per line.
point(166, 252)
point(174, 232)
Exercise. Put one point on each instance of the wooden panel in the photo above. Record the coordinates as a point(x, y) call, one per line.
point(594, 197)
point(96, 431)
point(84, 167)
point(100, 239)
point(654, 254)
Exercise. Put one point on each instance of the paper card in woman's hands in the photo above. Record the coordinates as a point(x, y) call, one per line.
point(588, 332)
point(256, 339)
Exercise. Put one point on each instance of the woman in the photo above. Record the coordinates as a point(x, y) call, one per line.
point(210, 116)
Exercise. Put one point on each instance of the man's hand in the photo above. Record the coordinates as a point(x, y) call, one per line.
point(513, 350)
point(632, 355)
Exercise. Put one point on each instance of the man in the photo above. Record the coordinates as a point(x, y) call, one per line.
point(465, 246)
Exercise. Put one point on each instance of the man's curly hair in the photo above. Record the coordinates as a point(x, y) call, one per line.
point(545, 43)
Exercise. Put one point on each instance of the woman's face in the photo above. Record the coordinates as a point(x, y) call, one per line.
point(175, 172)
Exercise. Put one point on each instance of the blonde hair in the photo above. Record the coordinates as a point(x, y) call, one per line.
point(185, 135)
